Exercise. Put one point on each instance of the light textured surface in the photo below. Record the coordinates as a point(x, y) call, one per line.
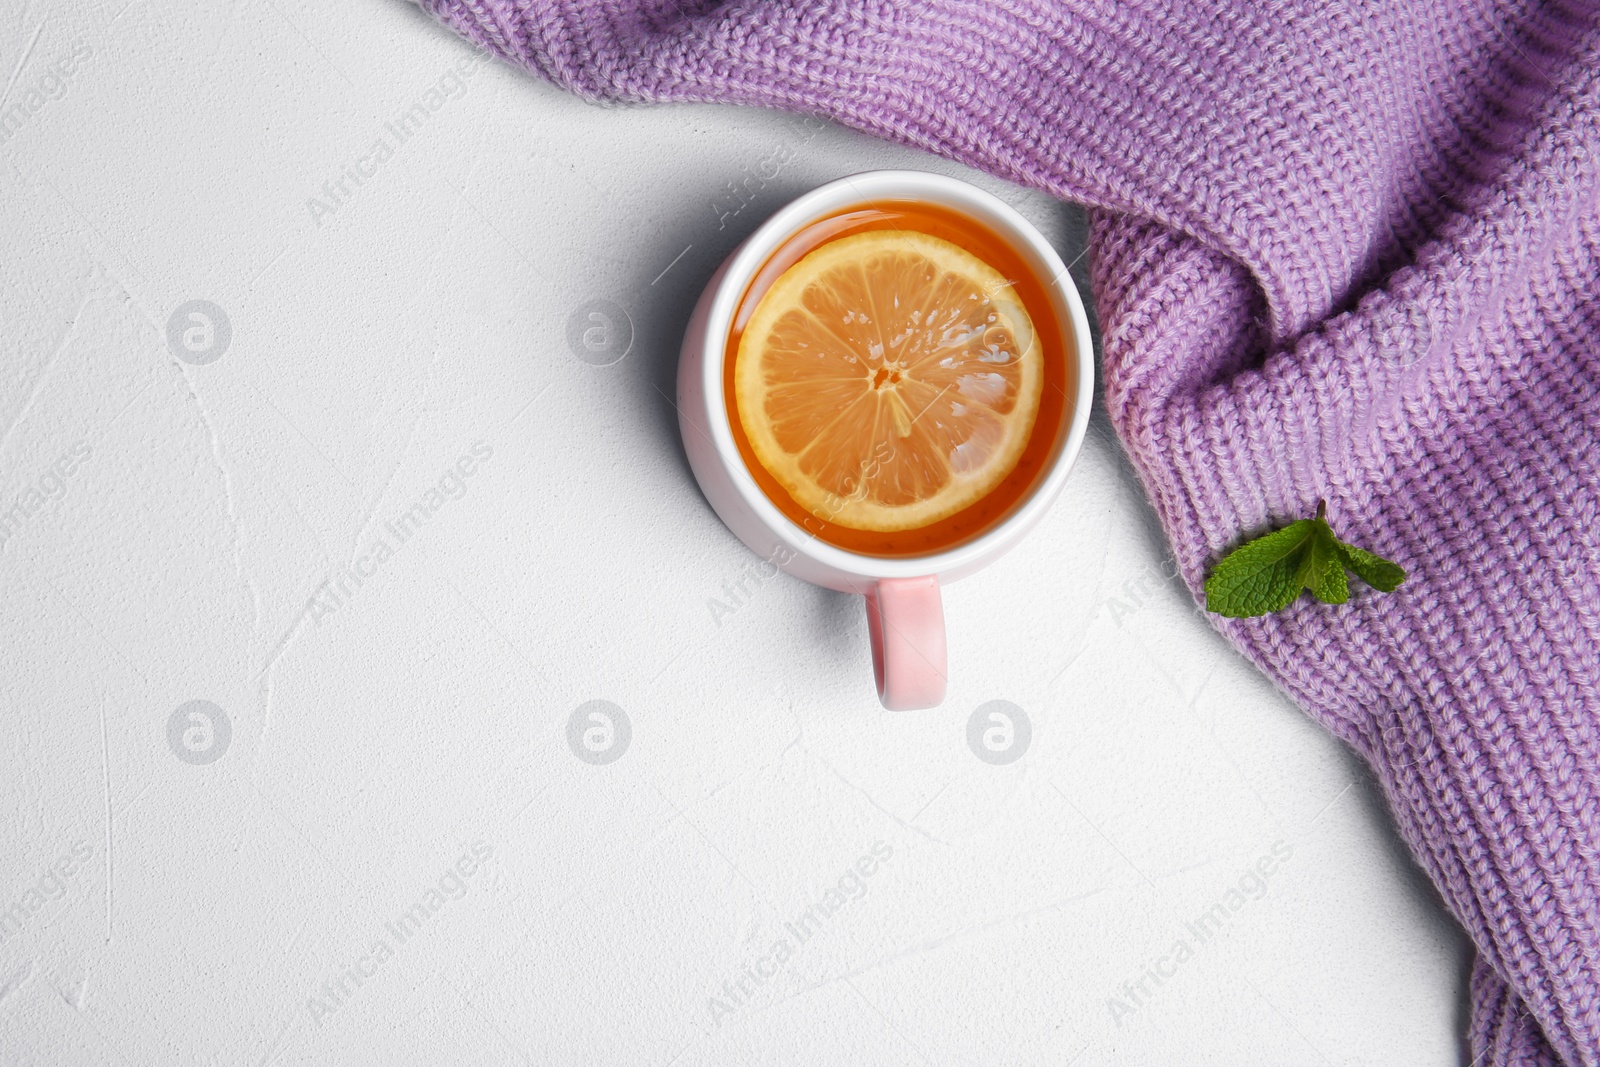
point(382, 736)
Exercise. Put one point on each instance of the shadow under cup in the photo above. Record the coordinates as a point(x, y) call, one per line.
point(898, 573)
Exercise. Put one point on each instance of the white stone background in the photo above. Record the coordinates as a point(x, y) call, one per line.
point(373, 746)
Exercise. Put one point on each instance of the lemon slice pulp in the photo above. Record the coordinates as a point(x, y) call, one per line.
point(888, 380)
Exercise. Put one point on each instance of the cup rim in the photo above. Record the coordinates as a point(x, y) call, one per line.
point(842, 193)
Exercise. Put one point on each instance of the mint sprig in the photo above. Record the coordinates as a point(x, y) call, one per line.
point(1269, 573)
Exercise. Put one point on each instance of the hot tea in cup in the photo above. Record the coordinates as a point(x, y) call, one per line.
point(882, 390)
point(896, 378)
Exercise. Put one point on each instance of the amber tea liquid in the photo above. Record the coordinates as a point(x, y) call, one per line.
point(1050, 425)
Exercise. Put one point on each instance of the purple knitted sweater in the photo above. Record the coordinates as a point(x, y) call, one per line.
point(1341, 250)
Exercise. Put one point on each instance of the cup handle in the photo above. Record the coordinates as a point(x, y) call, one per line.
point(905, 620)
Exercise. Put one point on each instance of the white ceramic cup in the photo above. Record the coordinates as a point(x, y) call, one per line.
point(905, 617)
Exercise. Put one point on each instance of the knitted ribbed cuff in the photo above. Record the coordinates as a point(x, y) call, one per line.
point(1502, 1033)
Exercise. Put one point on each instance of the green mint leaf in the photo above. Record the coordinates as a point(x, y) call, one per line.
point(1327, 579)
point(1269, 573)
point(1261, 575)
point(1374, 570)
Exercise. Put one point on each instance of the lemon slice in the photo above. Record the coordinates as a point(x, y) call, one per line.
point(889, 380)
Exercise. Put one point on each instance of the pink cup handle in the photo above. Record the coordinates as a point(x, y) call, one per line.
point(905, 619)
